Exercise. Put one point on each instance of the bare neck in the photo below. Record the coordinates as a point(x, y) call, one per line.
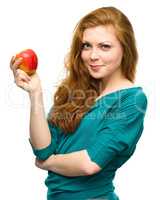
point(116, 82)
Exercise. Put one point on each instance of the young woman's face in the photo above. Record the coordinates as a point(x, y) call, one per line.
point(101, 51)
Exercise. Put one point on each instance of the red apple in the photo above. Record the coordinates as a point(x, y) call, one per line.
point(29, 62)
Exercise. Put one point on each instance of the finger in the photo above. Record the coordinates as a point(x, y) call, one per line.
point(12, 61)
point(37, 163)
point(23, 85)
point(22, 78)
point(15, 62)
point(21, 74)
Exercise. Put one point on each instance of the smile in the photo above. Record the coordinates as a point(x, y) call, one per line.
point(95, 67)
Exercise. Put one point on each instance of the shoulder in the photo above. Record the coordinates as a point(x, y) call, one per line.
point(133, 99)
point(134, 95)
point(124, 100)
point(129, 94)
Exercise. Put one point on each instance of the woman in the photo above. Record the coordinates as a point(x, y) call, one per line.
point(97, 115)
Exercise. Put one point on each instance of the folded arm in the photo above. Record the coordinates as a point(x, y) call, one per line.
point(71, 164)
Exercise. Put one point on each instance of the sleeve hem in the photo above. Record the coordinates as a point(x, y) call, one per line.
point(46, 152)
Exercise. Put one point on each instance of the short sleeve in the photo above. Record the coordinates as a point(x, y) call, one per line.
point(119, 131)
point(44, 153)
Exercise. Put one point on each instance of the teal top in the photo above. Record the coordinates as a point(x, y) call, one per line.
point(109, 132)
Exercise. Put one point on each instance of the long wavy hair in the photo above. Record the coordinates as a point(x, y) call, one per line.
point(78, 91)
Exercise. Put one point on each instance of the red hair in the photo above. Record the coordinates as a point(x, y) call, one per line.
point(78, 91)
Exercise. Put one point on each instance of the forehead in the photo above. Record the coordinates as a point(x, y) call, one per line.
point(99, 34)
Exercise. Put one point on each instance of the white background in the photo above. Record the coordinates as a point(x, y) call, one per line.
point(46, 26)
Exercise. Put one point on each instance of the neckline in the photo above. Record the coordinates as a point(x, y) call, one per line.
point(117, 91)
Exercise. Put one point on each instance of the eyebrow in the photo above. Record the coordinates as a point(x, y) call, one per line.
point(98, 43)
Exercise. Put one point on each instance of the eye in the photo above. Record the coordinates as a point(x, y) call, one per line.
point(86, 46)
point(105, 46)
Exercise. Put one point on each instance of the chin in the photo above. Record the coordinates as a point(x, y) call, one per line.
point(96, 76)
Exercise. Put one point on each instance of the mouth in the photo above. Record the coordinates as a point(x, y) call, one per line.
point(95, 67)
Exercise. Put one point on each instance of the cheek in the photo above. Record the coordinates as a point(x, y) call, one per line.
point(118, 56)
point(84, 56)
point(115, 58)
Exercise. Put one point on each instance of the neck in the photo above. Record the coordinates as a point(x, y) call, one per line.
point(114, 82)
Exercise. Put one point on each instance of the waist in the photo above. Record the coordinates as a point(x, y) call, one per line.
point(57, 182)
point(85, 194)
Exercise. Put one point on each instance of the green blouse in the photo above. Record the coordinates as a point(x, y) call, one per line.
point(109, 132)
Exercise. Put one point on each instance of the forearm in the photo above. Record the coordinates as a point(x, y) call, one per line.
point(71, 164)
point(68, 164)
point(40, 136)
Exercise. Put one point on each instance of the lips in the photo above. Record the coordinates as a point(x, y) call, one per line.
point(95, 67)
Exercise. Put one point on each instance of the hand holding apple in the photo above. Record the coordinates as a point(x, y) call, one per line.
point(23, 66)
point(29, 61)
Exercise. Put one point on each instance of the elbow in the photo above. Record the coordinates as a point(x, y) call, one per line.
point(91, 169)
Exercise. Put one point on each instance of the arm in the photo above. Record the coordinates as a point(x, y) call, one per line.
point(71, 164)
point(42, 142)
point(40, 136)
point(117, 134)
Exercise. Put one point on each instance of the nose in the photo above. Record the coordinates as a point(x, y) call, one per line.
point(94, 54)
